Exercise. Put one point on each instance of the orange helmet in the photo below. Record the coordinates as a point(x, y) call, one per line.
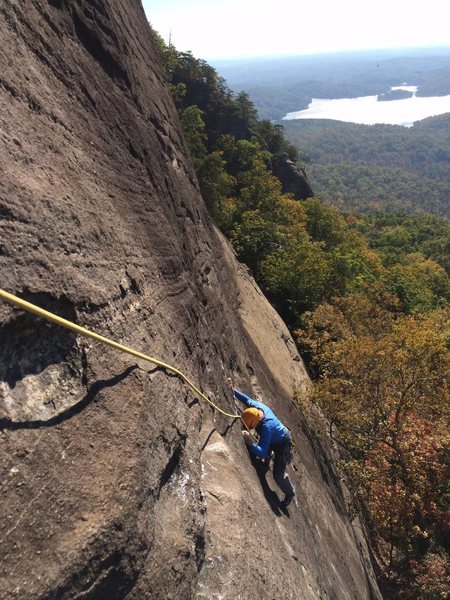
point(251, 417)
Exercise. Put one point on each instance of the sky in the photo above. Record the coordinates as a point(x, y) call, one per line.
point(215, 29)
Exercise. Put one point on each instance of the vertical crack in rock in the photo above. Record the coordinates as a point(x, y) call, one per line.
point(173, 462)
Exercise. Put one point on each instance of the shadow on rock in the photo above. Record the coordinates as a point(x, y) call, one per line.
point(261, 469)
point(73, 410)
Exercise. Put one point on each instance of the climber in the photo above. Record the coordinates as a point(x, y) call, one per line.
point(273, 437)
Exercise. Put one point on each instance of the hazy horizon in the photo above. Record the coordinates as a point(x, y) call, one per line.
point(363, 51)
point(233, 29)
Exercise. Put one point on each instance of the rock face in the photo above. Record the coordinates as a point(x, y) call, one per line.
point(292, 177)
point(117, 482)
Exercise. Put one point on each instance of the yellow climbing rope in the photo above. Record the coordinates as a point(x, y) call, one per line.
point(7, 297)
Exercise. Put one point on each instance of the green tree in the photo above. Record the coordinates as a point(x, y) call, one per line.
point(246, 110)
point(194, 133)
point(215, 183)
point(419, 283)
point(295, 274)
point(325, 224)
point(259, 188)
point(272, 137)
point(253, 237)
point(240, 155)
point(258, 209)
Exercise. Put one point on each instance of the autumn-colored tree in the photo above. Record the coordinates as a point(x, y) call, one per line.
point(369, 380)
point(430, 578)
point(404, 486)
point(386, 396)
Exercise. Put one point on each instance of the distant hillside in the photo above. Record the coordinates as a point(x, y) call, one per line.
point(377, 167)
point(281, 85)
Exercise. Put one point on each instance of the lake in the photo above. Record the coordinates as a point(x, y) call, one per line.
point(367, 110)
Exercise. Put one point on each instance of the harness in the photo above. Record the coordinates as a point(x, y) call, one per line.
point(286, 446)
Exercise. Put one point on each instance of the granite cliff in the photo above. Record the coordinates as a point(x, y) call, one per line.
point(117, 482)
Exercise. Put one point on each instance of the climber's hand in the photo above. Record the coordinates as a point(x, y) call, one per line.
point(247, 438)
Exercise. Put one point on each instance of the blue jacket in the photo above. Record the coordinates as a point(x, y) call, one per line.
point(271, 430)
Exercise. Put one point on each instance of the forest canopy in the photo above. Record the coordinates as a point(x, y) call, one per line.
point(367, 299)
point(369, 168)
